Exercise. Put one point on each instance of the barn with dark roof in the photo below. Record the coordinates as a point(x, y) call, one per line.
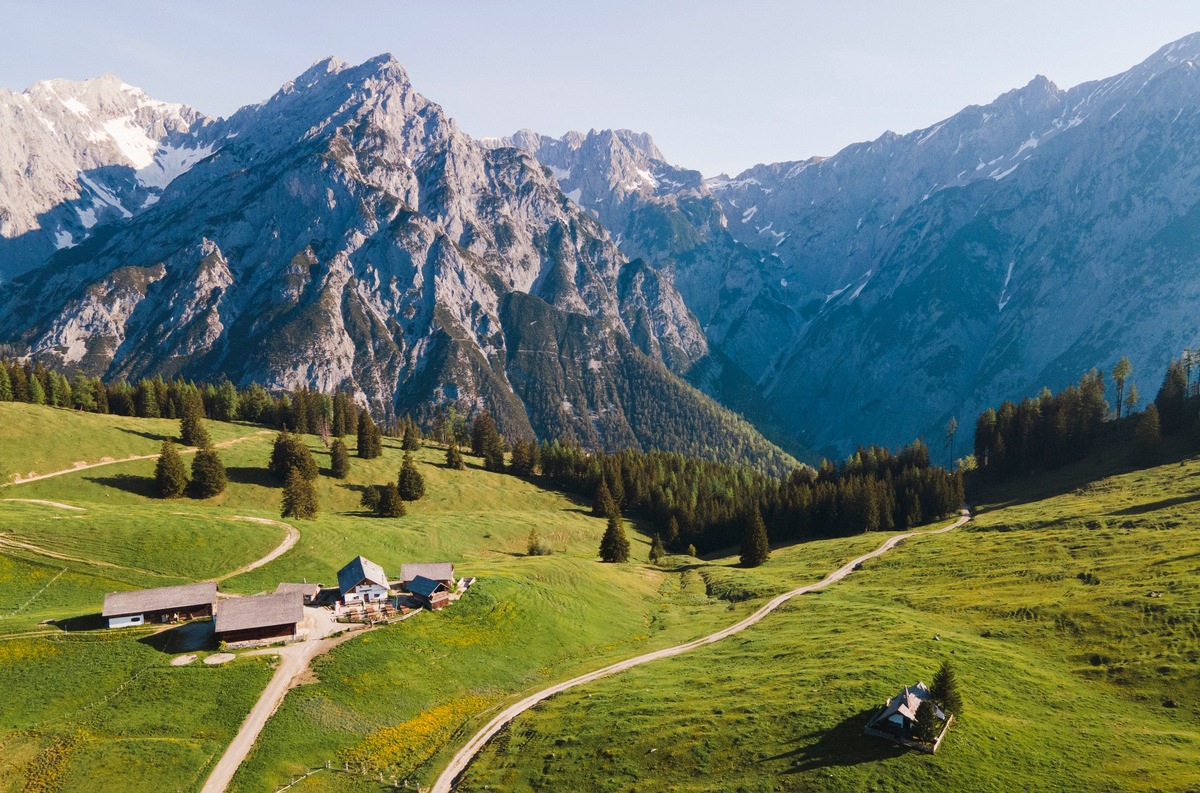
point(260, 619)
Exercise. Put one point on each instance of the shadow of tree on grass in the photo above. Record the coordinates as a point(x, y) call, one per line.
point(843, 745)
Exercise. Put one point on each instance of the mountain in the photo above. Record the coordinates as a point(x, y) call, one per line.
point(872, 295)
point(346, 234)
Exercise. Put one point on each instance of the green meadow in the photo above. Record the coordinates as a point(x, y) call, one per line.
point(1069, 607)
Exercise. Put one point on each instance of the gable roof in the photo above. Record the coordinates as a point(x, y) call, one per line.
point(164, 598)
point(425, 587)
point(260, 611)
point(438, 571)
point(360, 570)
point(907, 701)
point(309, 590)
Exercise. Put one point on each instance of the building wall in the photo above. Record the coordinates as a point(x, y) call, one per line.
point(270, 633)
point(369, 594)
point(125, 622)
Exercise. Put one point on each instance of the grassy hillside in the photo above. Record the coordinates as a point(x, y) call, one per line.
point(529, 620)
point(1075, 677)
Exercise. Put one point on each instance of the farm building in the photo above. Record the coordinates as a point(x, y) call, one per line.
point(436, 571)
point(429, 593)
point(259, 619)
point(308, 592)
point(163, 604)
point(899, 715)
point(362, 581)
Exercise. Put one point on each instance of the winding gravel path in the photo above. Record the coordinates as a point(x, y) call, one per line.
point(293, 536)
point(460, 761)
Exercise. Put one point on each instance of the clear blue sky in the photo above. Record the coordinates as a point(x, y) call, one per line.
point(721, 85)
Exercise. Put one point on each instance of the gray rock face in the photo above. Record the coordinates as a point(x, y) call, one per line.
point(345, 233)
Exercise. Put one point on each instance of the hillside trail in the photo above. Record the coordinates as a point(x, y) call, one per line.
point(293, 663)
point(293, 536)
point(460, 761)
point(20, 480)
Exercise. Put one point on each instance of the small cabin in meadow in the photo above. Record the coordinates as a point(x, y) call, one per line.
point(898, 716)
point(363, 581)
point(161, 604)
point(431, 594)
point(435, 571)
point(261, 619)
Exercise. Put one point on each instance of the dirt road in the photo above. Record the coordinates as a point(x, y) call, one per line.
point(460, 761)
point(288, 542)
point(188, 450)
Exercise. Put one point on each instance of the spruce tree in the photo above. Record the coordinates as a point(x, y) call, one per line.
point(370, 437)
point(945, 689)
point(339, 459)
point(370, 497)
point(208, 474)
point(6, 391)
point(1147, 435)
point(657, 551)
point(483, 430)
point(391, 505)
point(191, 425)
point(412, 440)
point(290, 451)
point(1120, 374)
point(299, 496)
point(603, 504)
point(672, 531)
point(493, 455)
point(454, 458)
point(533, 546)
point(756, 549)
point(614, 545)
point(926, 728)
point(410, 483)
point(37, 394)
point(170, 475)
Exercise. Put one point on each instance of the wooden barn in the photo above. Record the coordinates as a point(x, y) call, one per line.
point(308, 592)
point(363, 581)
point(431, 594)
point(262, 619)
point(162, 604)
point(436, 571)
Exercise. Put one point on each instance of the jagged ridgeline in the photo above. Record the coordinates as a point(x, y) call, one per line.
point(345, 235)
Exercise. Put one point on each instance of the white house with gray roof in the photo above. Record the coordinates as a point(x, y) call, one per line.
point(363, 581)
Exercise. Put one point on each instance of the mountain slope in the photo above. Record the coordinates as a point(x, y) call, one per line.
point(345, 233)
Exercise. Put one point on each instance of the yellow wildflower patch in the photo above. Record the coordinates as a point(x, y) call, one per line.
point(402, 748)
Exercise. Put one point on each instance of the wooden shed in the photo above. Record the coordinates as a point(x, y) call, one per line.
point(309, 592)
point(162, 604)
point(262, 619)
point(429, 593)
point(436, 571)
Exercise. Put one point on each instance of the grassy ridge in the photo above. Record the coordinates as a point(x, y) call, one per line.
point(1044, 607)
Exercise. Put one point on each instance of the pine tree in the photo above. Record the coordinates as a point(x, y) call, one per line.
point(533, 546)
point(614, 545)
point(691, 550)
point(6, 391)
point(208, 474)
point(339, 459)
point(603, 504)
point(483, 430)
point(1120, 373)
point(412, 440)
point(370, 438)
point(391, 505)
point(926, 728)
point(454, 458)
point(191, 425)
point(1147, 435)
point(945, 689)
point(290, 451)
point(657, 551)
point(37, 394)
point(672, 531)
point(756, 549)
point(370, 497)
point(410, 482)
point(493, 454)
point(299, 496)
point(170, 475)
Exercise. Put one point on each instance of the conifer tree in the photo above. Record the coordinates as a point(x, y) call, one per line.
point(603, 504)
point(533, 546)
point(410, 482)
point(339, 459)
point(208, 474)
point(483, 430)
point(391, 505)
point(691, 550)
point(672, 531)
point(6, 391)
point(614, 545)
point(412, 440)
point(493, 455)
point(370, 437)
point(299, 496)
point(20, 384)
point(37, 394)
point(756, 549)
point(290, 451)
point(191, 426)
point(170, 475)
point(1147, 435)
point(370, 497)
point(1120, 373)
point(657, 551)
point(926, 728)
point(454, 458)
point(945, 689)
